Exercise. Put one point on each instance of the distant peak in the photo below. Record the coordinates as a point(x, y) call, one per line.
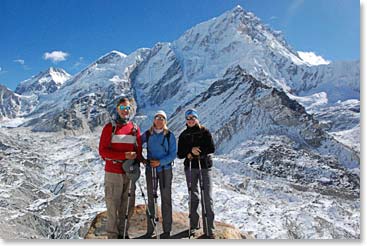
point(115, 52)
point(111, 56)
point(55, 69)
point(238, 9)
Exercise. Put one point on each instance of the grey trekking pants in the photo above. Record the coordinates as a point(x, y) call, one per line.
point(116, 197)
point(165, 187)
point(195, 198)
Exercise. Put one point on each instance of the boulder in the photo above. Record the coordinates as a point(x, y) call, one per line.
point(138, 227)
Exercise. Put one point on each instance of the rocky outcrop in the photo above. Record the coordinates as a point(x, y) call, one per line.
point(9, 103)
point(138, 227)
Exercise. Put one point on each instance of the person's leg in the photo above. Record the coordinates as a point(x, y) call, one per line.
point(208, 199)
point(113, 191)
point(194, 178)
point(166, 198)
point(150, 219)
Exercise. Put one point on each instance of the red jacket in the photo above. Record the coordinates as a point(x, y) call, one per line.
point(113, 149)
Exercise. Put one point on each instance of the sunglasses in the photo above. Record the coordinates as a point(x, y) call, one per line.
point(122, 107)
point(191, 118)
point(159, 118)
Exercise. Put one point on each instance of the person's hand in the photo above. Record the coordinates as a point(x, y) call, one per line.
point(154, 163)
point(189, 156)
point(196, 151)
point(130, 155)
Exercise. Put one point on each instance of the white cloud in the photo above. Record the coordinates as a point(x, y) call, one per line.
point(312, 59)
point(55, 56)
point(20, 61)
point(1, 69)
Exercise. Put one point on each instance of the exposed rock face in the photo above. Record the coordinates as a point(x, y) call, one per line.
point(138, 227)
point(9, 103)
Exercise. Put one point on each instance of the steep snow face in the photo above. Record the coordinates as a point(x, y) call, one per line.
point(188, 66)
point(236, 37)
point(44, 83)
point(339, 80)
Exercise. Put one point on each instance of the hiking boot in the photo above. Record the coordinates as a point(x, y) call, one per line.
point(165, 235)
point(211, 236)
point(193, 230)
point(122, 237)
point(147, 235)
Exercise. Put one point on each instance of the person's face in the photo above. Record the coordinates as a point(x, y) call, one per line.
point(191, 120)
point(159, 121)
point(124, 110)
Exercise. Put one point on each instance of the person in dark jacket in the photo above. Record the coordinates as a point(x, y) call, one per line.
point(195, 144)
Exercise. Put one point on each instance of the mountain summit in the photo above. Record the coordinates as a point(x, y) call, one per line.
point(45, 82)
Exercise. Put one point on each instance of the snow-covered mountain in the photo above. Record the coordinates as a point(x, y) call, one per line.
point(86, 100)
point(287, 159)
point(9, 103)
point(238, 108)
point(44, 83)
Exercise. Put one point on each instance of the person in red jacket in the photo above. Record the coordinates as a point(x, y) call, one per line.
point(119, 142)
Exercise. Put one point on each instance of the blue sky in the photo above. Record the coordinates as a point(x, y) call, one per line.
point(30, 31)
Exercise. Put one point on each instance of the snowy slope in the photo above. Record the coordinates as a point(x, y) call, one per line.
point(45, 82)
point(52, 187)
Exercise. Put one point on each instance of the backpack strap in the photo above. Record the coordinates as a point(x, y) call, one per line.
point(113, 130)
point(168, 136)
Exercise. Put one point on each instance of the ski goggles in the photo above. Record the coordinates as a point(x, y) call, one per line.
point(159, 118)
point(122, 107)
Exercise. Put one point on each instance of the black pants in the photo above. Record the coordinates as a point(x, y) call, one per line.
point(195, 198)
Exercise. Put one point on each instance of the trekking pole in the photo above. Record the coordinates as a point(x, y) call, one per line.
point(146, 205)
point(155, 196)
point(189, 184)
point(127, 207)
point(202, 196)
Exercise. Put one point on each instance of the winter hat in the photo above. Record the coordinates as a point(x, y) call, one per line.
point(161, 112)
point(192, 112)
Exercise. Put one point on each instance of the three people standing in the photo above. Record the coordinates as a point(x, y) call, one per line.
point(121, 143)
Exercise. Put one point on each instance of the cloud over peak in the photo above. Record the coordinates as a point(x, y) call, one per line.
point(55, 56)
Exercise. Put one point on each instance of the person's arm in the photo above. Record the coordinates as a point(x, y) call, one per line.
point(104, 145)
point(183, 149)
point(171, 155)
